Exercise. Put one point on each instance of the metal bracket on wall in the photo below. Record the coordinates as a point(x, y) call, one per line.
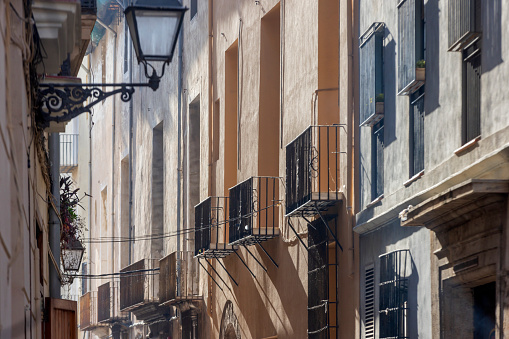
point(267, 253)
point(296, 234)
point(254, 276)
point(256, 259)
point(220, 263)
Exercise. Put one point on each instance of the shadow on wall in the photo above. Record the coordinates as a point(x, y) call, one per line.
point(249, 303)
point(413, 304)
point(492, 40)
point(390, 88)
point(432, 56)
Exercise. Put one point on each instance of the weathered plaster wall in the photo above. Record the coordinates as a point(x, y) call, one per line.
point(390, 238)
point(22, 187)
point(443, 109)
point(273, 303)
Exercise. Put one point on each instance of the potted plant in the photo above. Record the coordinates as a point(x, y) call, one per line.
point(379, 103)
point(71, 232)
point(420, 70)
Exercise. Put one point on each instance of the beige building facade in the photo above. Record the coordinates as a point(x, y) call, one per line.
point(31, 274)
point(222, 203)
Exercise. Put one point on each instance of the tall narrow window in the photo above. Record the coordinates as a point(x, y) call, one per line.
point(328, 63)
point(157, 191)
point(268, 128)
point(105, 255)
point(393, 288)
point(416, 132)
point(377, 160)
point(230, 119)
point(410, 46)
point(371, 75)
point(369, 302)
point(471, 92)
point(124, 211)
point(215, 131)
point(193, 164)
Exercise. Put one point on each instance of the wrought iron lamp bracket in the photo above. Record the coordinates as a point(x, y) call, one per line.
point(61, 102)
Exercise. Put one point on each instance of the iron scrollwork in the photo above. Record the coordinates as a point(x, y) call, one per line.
point(63, 102)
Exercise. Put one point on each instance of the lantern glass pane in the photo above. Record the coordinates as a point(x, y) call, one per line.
point(71, 259)
point(157, 30)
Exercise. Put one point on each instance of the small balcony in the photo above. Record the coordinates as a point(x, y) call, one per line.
point(312, 171)
point(254, 211)
point(211, 229)
point(140, 288)
point(108, 300)
point(68, 152)
point(177, 283)
point(89, 312)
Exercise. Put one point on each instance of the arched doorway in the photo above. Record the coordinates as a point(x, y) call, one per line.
point(229, 324)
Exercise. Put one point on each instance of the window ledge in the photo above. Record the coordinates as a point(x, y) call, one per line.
point(469, 145)
point(376, 201)
point(414, 178)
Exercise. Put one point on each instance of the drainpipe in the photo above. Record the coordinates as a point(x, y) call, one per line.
point(131, 112)
point(54, 222)
point(89, 210)
point(179, 158)
point(114, 111)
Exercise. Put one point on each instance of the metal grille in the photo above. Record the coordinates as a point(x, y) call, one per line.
point(322, 270)
point(202, 226)
point(371, 70)
point(369, 302)
point(472, 92)
point(411, 43)
point(137, 288)
point(68, 152)
point(312, 170)
point(417, 134)
point(394, 271)
point(103, 301)
point(85, 310)
point(168, 278)
point(177, 278)
point(464, 22)
point(88, 7)
point(377, 161)
point(254, 210)
point(211, 228)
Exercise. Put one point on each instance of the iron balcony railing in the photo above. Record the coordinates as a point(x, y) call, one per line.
point(312, 170)
point(68, 152)
point(140, 286)
point(211, 228)
point(176, 279)
point(108, 301)
point(254, 210)
point(89, 311)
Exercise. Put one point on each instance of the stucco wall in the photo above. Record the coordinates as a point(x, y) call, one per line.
point(443, 112)
point(273, 303)
point(23, 195)
point(390, 238)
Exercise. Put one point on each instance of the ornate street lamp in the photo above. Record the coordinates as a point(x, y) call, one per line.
point(71, 254)
point(154, 27)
